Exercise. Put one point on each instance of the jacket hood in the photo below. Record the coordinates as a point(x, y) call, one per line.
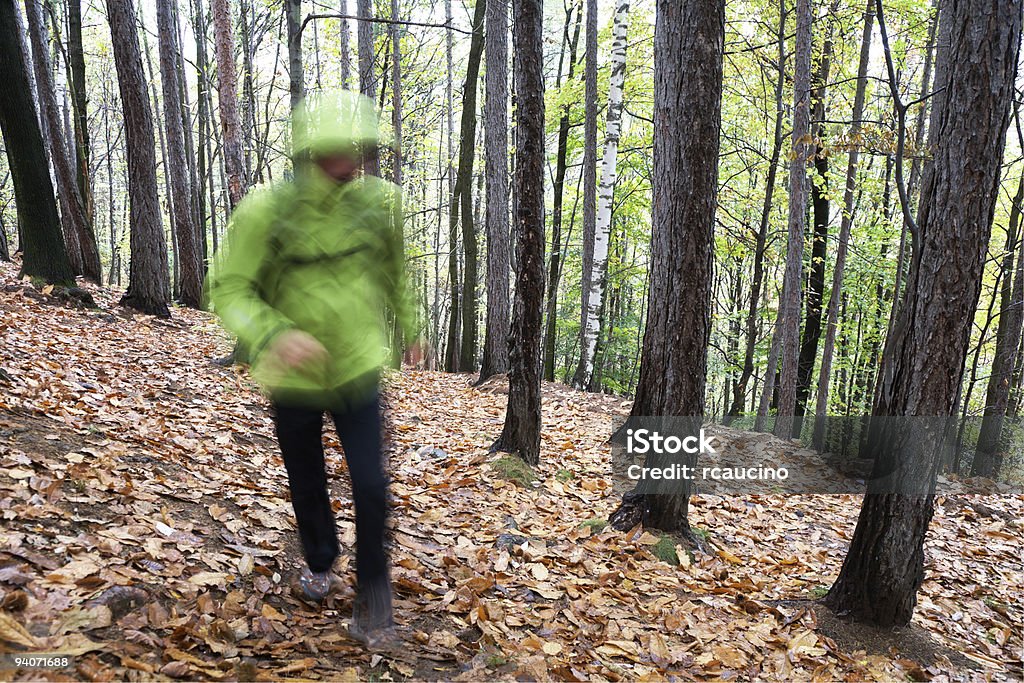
point(332, 122)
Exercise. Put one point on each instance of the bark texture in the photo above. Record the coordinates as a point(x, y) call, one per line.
point(885, 564)
point(521, 433)
point(183, 211)
point(343, 45)
point(227, 94)
point(589, 179)
point(148, 285)
point(495, 357)
point(293, 19)
point(42, 246)
point(77, 228)
point(367, 79)
point(819, 245)
point(789, 306)
point(462, 197)
point(688, 47)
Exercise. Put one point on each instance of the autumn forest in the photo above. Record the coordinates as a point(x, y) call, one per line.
point(796, 225)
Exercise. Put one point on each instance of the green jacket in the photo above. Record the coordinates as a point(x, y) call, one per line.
point(324, 258)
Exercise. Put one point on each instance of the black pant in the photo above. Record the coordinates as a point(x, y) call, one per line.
point(300, 433)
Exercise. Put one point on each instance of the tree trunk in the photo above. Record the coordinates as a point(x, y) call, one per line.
point(114, 276)
point(462, 196)
point(688, 46)
point(789, 305)
point(227, 92)
point(989, 459)
point(589, 182)
point(77, 224)
point(819, 245)
point(770, 388)
point(396, 94)
point(1017, 384)
point(148, 287)
point(296, 86)
point(739, 390)
point(188, 261)
point(42, 246)
point(343, 46)
point(367, 80)
point(558, 189)
point(495, 356)
point(922, 113)
point(204, 165)
point(594, 298)
point(884, 566)
point(845, 227)
point(79, 99)
point(246, 26)
point(521, 433)
point(451, 359)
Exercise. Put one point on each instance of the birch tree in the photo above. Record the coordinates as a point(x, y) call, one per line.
point(593, 300)
point(589, 179)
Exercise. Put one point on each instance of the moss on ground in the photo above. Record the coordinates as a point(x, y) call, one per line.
point(513, 469)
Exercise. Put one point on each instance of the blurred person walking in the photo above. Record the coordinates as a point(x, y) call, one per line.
point(311, 267)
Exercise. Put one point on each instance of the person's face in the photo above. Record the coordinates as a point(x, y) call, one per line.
point(338, 167)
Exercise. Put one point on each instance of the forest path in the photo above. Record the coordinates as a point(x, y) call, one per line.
point(147, 529)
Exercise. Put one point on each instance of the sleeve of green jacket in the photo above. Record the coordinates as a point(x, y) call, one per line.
point(396, 279)
point(234, 291)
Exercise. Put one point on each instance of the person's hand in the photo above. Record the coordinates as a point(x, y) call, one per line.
point(295, 349)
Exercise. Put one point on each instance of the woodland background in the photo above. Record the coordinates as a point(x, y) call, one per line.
point(429, 82)
point(754, 214)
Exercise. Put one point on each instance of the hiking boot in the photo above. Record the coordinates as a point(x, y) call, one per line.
point(312, 587)
point(372, 620)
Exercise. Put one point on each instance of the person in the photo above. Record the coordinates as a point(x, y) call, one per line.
point(310, 269)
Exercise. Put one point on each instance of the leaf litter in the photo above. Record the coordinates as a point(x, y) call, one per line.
point(147, 531)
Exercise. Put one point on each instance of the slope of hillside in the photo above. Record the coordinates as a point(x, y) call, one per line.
point(147, 532)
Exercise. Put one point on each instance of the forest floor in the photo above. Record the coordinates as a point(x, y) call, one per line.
point(147, 531)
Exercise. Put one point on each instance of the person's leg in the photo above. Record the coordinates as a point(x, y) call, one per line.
point(300, 435)
point(359, 430)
